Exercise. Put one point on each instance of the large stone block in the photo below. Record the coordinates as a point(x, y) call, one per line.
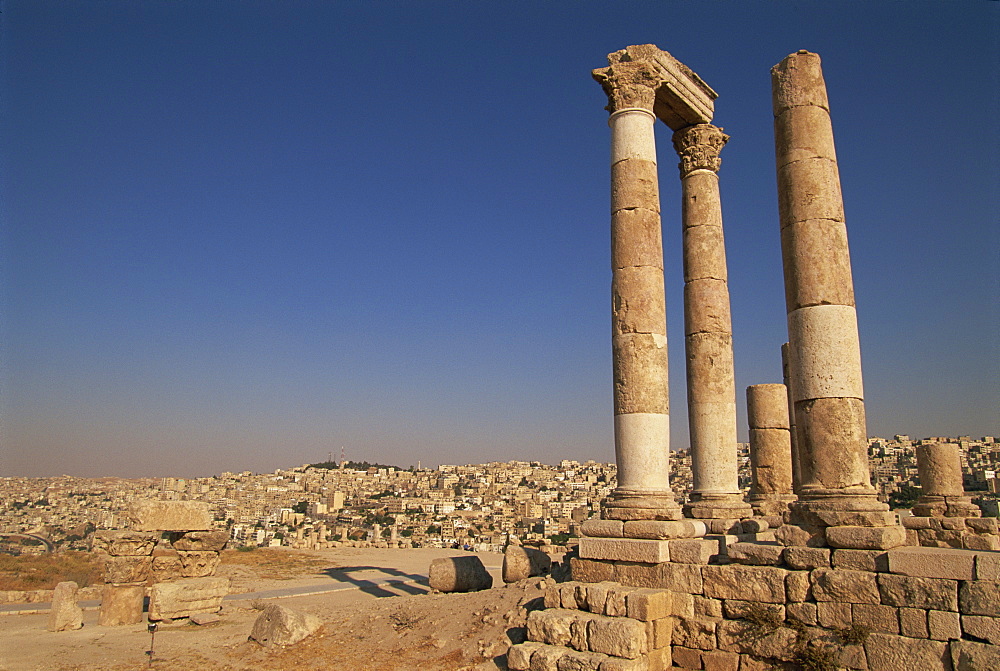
point(887, 652)
point(574, 660)
point(589, 570)
point(65, 613)
point(866, 538)
point(278, 625)
point(749, 638)
point(943, 625)
point(844, 586)
point(883, 619)
point(698, 633)
point(126, 569)
point(185, 597)
point(988, 566)
point(756, 554)
point(664, 529)
point(913, 622)
point(981, 627)
point(552, 626)
point(617, 636)
point(806, 558)
point(121, 604)
point(973, 656)
point(198, 564)
point(200, 541)
point(681, 578)
point(916, 592)
point(170, 516)
point(519, 655)
point(598, 528)
point(647, 604)
point(459, 574)
point(861, 560)
point(979, 597)
point(932, 562)
point(124, 543)
point(693, 550)
point(749, 583)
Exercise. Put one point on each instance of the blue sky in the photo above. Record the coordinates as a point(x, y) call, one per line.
point(240, 235)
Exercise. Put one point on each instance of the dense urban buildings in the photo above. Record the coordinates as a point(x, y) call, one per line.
point(482, 506)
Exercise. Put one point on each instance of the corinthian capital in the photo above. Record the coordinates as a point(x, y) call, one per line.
point(629, 84)
point(699, 147)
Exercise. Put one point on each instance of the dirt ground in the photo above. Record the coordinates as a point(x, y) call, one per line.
point(367, 624)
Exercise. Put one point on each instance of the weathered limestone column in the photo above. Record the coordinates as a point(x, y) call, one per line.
point(786, 375)
point(638, 311)
point(770, 449)
point(708, 341)
point(939, 466)
point(825, 355)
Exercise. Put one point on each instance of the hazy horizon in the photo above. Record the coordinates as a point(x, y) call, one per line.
point(238, 236)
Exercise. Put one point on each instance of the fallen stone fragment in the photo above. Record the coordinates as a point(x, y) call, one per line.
point(278, 625)
point(65, 614)
point(520, 563)
point(202, 619)
point(459, 574)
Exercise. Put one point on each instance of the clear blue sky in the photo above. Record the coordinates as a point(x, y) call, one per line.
point(239, 235)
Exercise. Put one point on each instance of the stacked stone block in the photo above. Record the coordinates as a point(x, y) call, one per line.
point(172, 545)
point(895, 610)
point(126, 570)
point(597, 627)
point(855, 609)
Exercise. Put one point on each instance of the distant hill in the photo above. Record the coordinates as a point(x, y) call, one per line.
point(353, 465)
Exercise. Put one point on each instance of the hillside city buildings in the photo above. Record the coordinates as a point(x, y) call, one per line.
point(480, 506)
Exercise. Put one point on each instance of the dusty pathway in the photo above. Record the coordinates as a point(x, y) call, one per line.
point(375, 606)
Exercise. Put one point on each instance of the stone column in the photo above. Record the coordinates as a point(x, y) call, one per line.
point(824, 350)
point(708, 341)
point(638, 311)
point(770, 449)
point(942, 489)
point(786, 375)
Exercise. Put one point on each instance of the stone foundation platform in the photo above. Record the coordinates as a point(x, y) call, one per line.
point(773, 607)
point(971, 533)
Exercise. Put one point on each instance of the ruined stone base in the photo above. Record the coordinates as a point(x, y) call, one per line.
point(773, 607)
point(971, 533)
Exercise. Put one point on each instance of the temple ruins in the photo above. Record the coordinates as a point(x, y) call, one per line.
point(813, 571)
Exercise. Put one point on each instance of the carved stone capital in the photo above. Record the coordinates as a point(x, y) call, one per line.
point(699, 147)
point(629, 84)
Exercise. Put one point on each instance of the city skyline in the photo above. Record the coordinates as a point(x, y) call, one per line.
point(241, 237)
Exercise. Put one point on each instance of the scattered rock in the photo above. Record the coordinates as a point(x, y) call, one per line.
point(278, 625)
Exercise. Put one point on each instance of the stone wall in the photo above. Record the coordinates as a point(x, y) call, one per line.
point(774, 607)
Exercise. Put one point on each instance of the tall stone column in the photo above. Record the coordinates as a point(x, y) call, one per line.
point(786, 375)
point(708, 341)
point(837, 503)
point(770, 449)
point(638, 311)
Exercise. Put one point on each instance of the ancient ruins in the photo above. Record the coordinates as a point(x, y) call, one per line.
point(814, 571)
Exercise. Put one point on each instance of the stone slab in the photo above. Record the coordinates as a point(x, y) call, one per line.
point(933, 563)
point(170, 516)
point(625, 549)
